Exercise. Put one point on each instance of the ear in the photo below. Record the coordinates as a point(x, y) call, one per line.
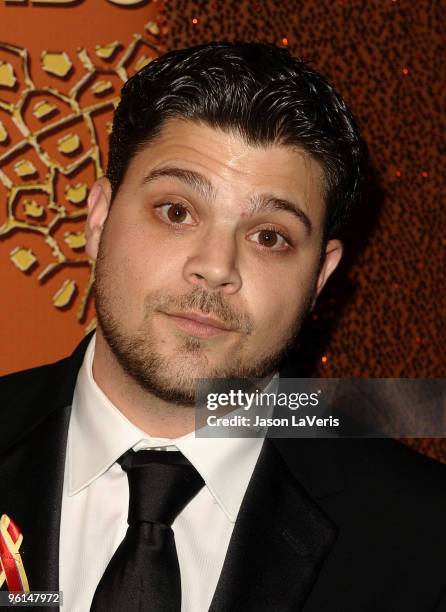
point(333, 254)
point(99, 200)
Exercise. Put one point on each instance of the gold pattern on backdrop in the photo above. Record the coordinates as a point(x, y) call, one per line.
point(52, 141)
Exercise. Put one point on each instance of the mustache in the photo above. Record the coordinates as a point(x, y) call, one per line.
point(200, 302)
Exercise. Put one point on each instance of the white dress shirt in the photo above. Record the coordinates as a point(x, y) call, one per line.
point(96, 495)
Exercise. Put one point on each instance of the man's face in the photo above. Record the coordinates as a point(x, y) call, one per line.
point(202, 225)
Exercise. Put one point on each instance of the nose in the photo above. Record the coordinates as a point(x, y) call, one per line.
point(213, 264)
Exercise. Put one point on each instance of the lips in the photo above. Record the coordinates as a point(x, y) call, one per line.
point(198, 325)
point(202, 319)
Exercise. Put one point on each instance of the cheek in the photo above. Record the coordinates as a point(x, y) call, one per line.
point(138, 262)
point(125, 269)
point(130, 250)
point(277, 301)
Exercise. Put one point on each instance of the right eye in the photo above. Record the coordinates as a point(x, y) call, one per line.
point(174, 213)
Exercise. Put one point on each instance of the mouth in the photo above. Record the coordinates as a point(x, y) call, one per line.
point(198, 325)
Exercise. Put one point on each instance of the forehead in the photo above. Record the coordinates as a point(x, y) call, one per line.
point(233, 165)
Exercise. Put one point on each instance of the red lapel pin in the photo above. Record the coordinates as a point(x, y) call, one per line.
point(11, 564)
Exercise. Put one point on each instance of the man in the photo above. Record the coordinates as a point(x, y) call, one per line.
point(232, 170)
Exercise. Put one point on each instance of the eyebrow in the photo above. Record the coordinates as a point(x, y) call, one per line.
point(258, 203)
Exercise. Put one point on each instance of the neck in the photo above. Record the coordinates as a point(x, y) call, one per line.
point(149, 413)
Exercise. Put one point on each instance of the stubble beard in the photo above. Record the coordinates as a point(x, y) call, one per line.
point(172, 378)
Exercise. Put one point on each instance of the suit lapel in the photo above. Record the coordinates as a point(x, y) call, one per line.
point(281, 535)
point(31, 485)
point(279, 542)
point(32, 460)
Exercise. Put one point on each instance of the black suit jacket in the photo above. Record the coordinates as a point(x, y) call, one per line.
point(326, 525)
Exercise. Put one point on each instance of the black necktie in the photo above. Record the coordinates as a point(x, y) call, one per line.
point(143, 574)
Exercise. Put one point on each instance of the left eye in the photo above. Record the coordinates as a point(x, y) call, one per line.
point(174, 212)
point(269, 238)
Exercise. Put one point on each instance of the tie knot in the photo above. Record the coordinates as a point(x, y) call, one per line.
point(161, 484)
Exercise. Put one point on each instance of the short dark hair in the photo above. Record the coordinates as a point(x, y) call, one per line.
point(257, 89)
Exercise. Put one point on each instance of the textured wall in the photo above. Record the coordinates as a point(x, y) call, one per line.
point(383, 314)
point(61, 72)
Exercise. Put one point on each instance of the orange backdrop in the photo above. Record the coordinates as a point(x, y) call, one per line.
point(61, 70)
point(382, 313)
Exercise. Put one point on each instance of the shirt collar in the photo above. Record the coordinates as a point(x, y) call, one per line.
point(99, 434)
